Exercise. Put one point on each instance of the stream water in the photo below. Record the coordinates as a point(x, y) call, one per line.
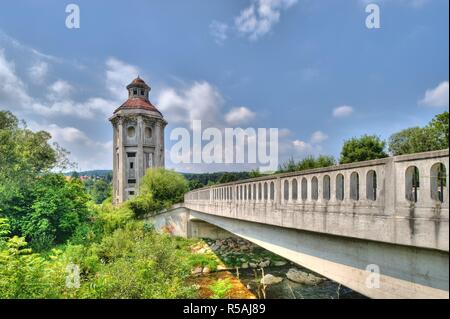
point(248, 263)
point(288, 289)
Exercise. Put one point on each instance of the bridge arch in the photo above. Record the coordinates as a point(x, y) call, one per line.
point(354, 186)
point(371, 185)
point(412, 184)
point(326, 187)
point(438, 175)
point(340, 187)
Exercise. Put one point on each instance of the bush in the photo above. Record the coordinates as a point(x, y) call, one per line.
point(159, 189)
point(220, 289)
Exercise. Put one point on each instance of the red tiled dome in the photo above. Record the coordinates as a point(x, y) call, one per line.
point(138, 103)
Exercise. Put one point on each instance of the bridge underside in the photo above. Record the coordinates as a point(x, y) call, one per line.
point(405, 272)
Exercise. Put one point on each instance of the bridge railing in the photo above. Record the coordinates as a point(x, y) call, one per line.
point(412, 187)
point(421, 179)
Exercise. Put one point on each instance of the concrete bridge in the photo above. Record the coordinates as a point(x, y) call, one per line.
point(378, 227)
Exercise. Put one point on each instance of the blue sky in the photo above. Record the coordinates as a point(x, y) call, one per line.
point(310, 68)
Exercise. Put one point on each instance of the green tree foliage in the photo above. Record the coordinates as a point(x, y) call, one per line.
point(159, 189)
point(195, 184)
point(23, 155)
point(131, 261)
point(41, 206)
point(309, 162)
point(364, 148)
point(59, 207)
point(101, 190)
point(432, 137)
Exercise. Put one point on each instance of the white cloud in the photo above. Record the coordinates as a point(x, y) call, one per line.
point(118, 75)
point(38, 71)
point(219, 31)
point(239, 115)
point(437, 97)
point(318, 137)
point(258, 19)
point(12, 89)
point(59, 89)
point(84, 151)
point(343, 111)
point(200, 101)
point(302, 146)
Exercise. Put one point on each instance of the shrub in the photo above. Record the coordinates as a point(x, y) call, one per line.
point(159, 189)
point(220, 289)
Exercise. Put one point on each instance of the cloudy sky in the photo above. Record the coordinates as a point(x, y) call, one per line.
point(310, 68)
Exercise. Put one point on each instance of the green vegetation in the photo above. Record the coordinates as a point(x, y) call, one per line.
point(364, 148)
point(309, 162)
point(159, 189)
point(204, 260)
point(221, 289)
point(433, 136)
point(49, 222)
point(207, 179)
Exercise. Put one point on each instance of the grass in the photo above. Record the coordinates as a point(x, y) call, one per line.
point(220, 289)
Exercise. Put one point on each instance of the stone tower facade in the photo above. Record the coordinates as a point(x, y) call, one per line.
point(138, 140)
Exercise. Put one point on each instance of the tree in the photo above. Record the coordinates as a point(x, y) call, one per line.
point(439, 130)
point(159, 189)
point(433, 136)
point(101, 190)
point(195, 184)
point(24, 155)
point(309, 162)
point(59, 207)
point(364, 148)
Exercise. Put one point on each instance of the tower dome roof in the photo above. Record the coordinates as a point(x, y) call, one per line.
point(138, 103)
point(138, 97)
point(138, 82)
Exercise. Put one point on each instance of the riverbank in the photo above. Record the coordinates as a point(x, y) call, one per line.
point(238, 269)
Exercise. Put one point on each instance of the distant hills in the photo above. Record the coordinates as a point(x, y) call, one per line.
point(92, 173)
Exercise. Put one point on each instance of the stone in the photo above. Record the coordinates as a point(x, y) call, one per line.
point(206, 270)
point(253, 265)
point(221, 267)
point(245, 265)
point(197, 270)
point(264, 264)
point(279, 263)
point(270, 280)
point(303, 277)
